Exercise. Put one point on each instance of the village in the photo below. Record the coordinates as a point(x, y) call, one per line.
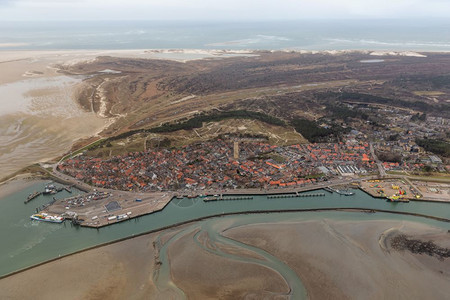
point(223, 164)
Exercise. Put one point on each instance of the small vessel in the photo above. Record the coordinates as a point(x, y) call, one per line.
point(340, 192)
point(47, 218)
point(49, 189)
point(345, 192)
point(397, 198)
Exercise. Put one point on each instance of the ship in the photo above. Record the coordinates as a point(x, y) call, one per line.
point(47, 218)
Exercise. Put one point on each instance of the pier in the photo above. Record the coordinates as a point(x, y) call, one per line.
point(295, 195)
point(221, 198)
point(32, 196)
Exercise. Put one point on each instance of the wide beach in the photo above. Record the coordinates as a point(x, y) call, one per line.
point(40, 115)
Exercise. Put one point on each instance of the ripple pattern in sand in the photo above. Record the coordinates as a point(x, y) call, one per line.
point(39, 119)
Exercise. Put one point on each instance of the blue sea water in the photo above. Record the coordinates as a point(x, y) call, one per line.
point(401, 35)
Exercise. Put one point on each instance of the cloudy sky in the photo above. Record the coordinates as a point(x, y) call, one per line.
point(223, 10)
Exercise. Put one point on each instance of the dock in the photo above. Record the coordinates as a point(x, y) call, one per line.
point(221, 198)
point(295, 195)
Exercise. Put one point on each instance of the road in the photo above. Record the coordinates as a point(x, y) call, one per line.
point(379, 164)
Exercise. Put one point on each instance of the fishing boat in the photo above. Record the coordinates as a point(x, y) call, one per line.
point(47, 218)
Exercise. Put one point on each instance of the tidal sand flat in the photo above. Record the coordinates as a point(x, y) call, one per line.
point(39, 120)
point(39, 117)
point(242, 257)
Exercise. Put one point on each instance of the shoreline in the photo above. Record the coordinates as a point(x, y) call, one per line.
point(351, 210)
point(17, 183)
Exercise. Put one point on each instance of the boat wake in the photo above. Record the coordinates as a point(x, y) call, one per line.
point(42, 232)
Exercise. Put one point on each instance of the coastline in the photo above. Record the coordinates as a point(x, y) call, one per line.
point(23, 65)
point(127, 264)
point(17, 183)
point(106, 255)
point(242, 213)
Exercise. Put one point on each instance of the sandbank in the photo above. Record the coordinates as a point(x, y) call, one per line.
point(335, 259)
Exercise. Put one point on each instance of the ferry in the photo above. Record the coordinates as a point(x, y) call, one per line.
point(47, 218)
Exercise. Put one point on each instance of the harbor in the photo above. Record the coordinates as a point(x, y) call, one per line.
point(23, 239)
point(98, 208)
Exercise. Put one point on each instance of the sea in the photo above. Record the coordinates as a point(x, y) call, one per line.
point(397, 35)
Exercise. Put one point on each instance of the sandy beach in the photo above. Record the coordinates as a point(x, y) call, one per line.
point(40, 117)
point(334, 259)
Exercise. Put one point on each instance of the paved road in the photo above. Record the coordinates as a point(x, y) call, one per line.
point(379, 164)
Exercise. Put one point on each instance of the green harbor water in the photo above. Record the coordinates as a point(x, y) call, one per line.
point(25, 243)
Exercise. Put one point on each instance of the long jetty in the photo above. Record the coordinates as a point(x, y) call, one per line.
point(32, 196)
point(295, 195)
point(209, 199)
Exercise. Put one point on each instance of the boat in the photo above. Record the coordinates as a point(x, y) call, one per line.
point(49, 189)
point(397, 198)
point(345, 193)
point(47, 218)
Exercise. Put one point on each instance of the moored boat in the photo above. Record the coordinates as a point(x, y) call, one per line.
point(47, 218)
point(397, 198)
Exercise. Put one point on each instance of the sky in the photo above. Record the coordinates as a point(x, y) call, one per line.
point(208, 10)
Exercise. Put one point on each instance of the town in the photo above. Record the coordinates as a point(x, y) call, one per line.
point(222, 164)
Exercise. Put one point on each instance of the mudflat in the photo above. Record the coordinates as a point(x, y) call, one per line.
point(334, 259)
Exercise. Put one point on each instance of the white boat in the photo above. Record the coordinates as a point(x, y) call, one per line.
point(47, 218)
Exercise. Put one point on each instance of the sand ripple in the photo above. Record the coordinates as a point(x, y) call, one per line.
point(39, 120)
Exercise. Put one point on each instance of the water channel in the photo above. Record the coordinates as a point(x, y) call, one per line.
point(25, 242)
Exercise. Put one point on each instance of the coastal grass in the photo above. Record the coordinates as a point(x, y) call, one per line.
point(91, 146)
point(34, 170)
